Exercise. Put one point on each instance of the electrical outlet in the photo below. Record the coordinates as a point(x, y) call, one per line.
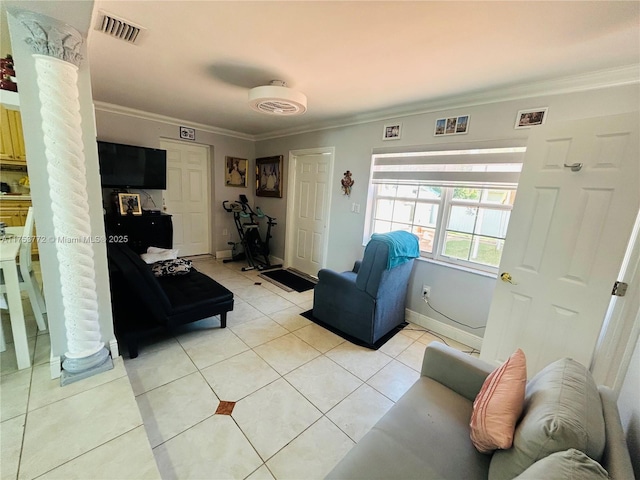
point(426, 291)
point(225, 232)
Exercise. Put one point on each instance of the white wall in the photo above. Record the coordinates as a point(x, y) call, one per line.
point(78, 15)
point(147, 132)
point(353, 148)
point(629, 405)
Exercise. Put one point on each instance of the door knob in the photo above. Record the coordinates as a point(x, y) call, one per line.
point(506, 277)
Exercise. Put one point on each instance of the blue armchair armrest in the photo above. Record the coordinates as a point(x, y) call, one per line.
point(341, 281)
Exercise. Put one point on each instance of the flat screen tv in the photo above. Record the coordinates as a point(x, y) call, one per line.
point(127, 166)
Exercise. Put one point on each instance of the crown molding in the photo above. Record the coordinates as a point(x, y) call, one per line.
point(614, 77)
point(132, 112)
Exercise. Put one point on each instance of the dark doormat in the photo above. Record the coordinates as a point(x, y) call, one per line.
point(356, 341)
point(288, 279)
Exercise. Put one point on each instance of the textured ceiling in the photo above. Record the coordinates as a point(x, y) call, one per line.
point(197, 60)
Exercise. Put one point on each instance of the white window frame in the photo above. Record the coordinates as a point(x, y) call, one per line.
point(467, 154)
point(442, 227)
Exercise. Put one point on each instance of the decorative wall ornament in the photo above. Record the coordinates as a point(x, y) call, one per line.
point(347, 182)
point(56, 54)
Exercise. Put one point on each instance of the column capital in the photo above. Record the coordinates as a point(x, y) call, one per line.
point(51, 37)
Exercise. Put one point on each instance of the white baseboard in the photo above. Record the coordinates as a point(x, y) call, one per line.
point(444, 329)
point(114, 349)
point(221, 254)
point(55, 366)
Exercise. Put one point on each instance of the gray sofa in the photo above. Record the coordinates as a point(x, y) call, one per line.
point(425, 435)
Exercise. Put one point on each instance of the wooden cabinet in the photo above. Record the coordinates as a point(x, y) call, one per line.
point(140, 232)
point(14, 214)
point(12, 149)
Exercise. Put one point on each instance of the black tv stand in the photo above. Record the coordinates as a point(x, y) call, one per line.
point(140, 231)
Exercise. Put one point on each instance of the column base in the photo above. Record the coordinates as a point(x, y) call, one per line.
point(76, 369)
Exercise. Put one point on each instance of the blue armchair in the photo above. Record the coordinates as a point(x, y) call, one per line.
point(369, 301)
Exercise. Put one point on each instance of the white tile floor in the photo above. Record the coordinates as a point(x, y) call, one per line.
point(304, 396)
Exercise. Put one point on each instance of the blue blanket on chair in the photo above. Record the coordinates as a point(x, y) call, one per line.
point(403, 246)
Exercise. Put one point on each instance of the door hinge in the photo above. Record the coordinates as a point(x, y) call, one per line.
point(619, 289)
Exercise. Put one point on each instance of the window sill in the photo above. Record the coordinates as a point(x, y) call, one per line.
point(482, 273)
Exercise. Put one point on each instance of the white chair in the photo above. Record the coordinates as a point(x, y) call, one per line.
point(27, 278)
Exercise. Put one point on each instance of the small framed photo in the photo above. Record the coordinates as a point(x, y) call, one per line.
point(187, 133)
point(269, 176)
point(393, 131)
point(531, 118)
point(452, 125)
point(235, 171)
point(129, 204)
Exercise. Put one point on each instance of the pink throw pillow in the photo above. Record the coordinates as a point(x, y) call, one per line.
point(499, 404)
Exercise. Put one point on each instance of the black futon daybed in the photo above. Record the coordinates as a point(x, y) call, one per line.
point(143, 303)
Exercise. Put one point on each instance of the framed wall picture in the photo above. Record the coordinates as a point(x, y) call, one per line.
point(392, 131)
point(187, 133)
point(452, 125)
point(129, 204)
point(235, 171)
point(269, 176)
point(531, 118)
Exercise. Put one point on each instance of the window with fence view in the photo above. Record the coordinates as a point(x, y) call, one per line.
point(465, 223)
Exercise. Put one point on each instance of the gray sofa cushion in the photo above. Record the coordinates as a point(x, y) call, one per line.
point(562, 411)
point(418, 439)
point(566, 465)
point(615, 458)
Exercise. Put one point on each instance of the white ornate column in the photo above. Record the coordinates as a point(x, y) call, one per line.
point(56, 50)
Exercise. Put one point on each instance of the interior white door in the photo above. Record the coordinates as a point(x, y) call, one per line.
point(187, 196)
point(310, 215)
point(566, 240)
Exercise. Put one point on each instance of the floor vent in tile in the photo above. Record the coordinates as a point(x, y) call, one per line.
point(225, 408)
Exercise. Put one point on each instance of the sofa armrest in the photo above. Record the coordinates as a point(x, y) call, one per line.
point(615, 458)
point(340, 281)
point(458, 371)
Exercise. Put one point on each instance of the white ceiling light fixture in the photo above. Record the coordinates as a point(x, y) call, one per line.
point(277, 99)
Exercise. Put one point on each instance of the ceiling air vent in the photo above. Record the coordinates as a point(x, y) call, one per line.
point(119, 28)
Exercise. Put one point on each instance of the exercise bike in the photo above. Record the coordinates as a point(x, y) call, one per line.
point(255, 250)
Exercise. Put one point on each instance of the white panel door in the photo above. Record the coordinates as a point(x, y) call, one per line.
point(187, 196)
point(566, 241)
point(309, 220)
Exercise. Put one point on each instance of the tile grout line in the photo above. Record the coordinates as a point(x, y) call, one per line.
point(323, 414)
point(75, 394)
point(24, 428)
point(90, 450)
